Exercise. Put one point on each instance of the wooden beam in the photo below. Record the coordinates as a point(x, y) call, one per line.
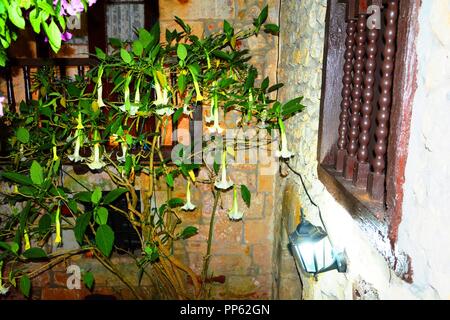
point(97, 26)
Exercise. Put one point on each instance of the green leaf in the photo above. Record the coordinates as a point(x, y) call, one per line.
point(275, 87)
point(54, 35)
point(155, 31)
point(100, 53)
point(169, 180)
point(129, 139)
point(25, 285)
point(182, 52)
point(12, 246)
point(36, 173)
point(222, 55)
point(216, 167)
point(228, 29)
point(265, 84)
point(175, 202)
point(115, 43)
point(138, 48)
point(113, 195)
point(35, 20)
point(104, 239)
point(15, 15)
point(88, 279)
point(17, 178)
point(101, 216)
point(272, 28)
point(250, 81)
point(128, 164)
point(96, 195)
point(35, 253)
point(47, 8)
point(188, 232)
point(177, 115)
point(81, 225)
point(73, 206)
point(292, 106)
point(182, 83)
point(28, 190)
point(183, 25)
point(45, 224)
point(262, 16)
point(84, 196)
point(145, 37)
point(246, 195)
point(23, 135)
point(125, 55)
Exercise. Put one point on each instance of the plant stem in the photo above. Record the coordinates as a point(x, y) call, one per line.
point(108, 265)
point(210, 238)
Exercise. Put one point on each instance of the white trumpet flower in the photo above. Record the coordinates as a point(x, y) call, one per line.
point(189, 206)
point(124, 147)
point(186, 110)
point(96, 162)
point(234, 213)
point(284, 153)
point(215, 114)
point(128, 107)
point(75, 157)
point(162, 95)
point(3, 290)
point(210, 118)
point(223, 183)
point(162, 99)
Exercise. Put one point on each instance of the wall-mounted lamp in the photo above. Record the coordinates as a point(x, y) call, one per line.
point(312, 249)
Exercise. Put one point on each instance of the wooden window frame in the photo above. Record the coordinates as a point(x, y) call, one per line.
point(379, 221)
point(97, 22)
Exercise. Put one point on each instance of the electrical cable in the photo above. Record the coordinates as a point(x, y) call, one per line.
point(308, 194)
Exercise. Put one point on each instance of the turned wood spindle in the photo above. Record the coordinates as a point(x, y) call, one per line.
point(346, 95)
point(10, 88)
point(357, 92)
point(81, 71)
point(363, 166)
point(27, 82)
point(376, 182)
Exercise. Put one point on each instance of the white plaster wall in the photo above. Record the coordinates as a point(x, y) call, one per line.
point(424, 232)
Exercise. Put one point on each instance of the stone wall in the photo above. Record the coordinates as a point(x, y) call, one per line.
point(423, 232)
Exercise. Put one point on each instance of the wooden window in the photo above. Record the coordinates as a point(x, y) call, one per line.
point(368, 83)
point(105, 11)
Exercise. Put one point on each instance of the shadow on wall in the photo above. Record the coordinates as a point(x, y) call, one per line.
point(287, 279)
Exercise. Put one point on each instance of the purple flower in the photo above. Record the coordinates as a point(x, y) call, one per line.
point(2, 100)
point(72, 7)
point(66, 36)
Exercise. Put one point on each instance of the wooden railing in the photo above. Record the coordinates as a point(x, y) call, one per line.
point(82, 64)
point(27, 64)
point(367, 96)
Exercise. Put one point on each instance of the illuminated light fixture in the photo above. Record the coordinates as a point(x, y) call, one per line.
point(313, 251)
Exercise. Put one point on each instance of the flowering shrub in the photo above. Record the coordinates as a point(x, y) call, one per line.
point(103, 126)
